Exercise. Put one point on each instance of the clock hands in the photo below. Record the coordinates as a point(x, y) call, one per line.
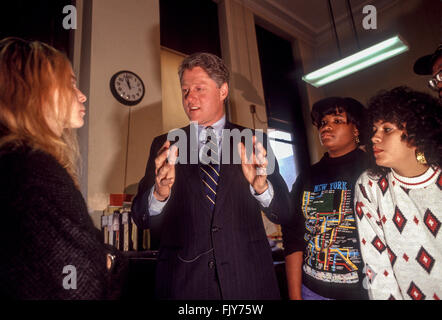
point(128, 83)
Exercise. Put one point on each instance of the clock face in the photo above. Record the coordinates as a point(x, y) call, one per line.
point(127, 87)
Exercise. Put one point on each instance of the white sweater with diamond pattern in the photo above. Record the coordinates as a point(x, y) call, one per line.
point(399, 223)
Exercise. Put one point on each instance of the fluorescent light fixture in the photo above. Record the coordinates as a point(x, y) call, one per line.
point(358, 61)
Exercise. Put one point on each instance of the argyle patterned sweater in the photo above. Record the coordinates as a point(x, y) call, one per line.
point(399, 222)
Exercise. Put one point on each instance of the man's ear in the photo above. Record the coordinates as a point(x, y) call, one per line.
point(224, 91)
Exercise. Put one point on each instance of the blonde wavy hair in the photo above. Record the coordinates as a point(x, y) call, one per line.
point(36, 85)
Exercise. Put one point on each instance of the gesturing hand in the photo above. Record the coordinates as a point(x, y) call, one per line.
point(254, 168)
point(165, 171)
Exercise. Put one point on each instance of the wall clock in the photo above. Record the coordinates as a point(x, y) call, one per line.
point(127, 87)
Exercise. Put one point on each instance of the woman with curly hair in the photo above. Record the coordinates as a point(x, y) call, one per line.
point(49, 247)
point(399, 198)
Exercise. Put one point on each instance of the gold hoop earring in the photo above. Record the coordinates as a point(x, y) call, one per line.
point(420, 157)
point(357, 140)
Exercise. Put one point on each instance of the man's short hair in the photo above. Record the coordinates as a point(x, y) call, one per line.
point(333, 105)
point(210, 63)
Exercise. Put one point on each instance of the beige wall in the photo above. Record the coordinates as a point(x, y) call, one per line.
point(124, 36)
point(173, 112)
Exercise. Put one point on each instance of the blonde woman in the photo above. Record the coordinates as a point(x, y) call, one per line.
point(49, 247)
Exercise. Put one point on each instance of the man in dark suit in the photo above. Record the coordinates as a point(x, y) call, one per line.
point(213, 241)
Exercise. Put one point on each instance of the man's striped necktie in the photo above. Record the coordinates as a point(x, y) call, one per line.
point(209, 166)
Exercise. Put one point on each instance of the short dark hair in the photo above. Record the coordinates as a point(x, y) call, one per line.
point(418, 113)
point(333, 105)
point(210, 63)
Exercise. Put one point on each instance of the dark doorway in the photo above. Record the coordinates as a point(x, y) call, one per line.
point(190, 26)
point(37, 20)
point(282, 98)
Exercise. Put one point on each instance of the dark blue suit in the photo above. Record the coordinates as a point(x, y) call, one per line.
point(205, 255)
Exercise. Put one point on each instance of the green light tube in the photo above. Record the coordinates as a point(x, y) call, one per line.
point(358, 61)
